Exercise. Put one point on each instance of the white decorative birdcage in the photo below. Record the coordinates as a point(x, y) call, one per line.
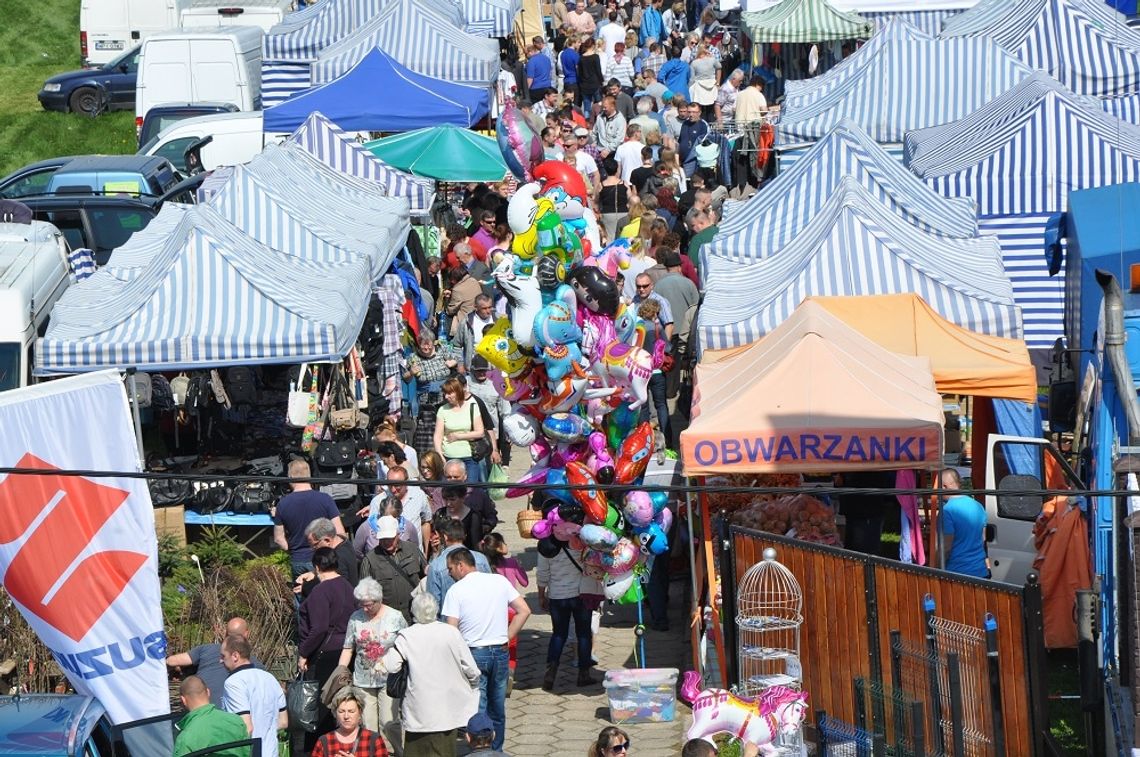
point(769, 615)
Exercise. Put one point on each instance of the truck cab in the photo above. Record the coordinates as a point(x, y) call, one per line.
point(1021, 466)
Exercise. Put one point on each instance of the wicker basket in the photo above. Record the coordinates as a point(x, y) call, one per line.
point(526, 520)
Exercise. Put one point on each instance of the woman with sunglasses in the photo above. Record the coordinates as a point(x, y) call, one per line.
point(611, 741)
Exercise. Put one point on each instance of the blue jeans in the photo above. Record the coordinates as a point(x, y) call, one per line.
point(561, 611)
point(494, 664)
point(657, 395)
point(475, 469)
point(588, 100)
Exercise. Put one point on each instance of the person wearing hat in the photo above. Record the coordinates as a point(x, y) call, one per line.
point(396, 565)
point(480, 734)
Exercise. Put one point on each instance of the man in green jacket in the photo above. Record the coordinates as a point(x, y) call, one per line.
point(205, 725)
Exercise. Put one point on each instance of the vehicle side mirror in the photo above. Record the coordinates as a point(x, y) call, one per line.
point(991, 532)
point(1020, 506)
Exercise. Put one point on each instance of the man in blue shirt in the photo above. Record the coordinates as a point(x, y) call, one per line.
point(675, 73)
point(538, 71)
point(963, 523)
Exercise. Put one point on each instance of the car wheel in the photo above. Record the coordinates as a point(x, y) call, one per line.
point(84, 100)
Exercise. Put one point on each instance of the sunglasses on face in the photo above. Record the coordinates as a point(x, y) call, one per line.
point(623, 747)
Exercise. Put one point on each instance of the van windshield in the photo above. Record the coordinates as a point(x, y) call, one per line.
point(9, 366)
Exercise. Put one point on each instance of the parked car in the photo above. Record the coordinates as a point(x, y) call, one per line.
point(114, 174)
point(98, 222)
point(162, 117)
point(236, 138)
point(59, 725)
point(93, 90)
point(32, 179)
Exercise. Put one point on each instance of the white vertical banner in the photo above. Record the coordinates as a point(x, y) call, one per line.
point(78, 554)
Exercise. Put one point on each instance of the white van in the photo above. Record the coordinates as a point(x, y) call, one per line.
point(108, 28)
point(204, 65)
point(213, 14)
point(237, 138)
point(34, 272)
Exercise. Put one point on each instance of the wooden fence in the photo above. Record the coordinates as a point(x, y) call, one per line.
point(851, 604)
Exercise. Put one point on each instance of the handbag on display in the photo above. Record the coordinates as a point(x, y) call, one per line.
point(302, 402)
point(346, 415)
point(166, 492)
point(253, 497)
point(212, 497)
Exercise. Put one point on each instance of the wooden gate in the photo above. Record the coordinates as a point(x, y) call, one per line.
point(853, 602)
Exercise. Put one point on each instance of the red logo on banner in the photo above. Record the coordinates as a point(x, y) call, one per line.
point(44, 576)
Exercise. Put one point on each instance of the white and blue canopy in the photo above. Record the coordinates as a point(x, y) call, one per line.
point(490, 18)
point(210, 296)
point(421, 38)
point(329, 143)
point(906, 84)
point(856, 246)
point(1084, 44)
point(761, 226)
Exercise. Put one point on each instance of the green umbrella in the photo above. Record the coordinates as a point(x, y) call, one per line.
point(443, 153)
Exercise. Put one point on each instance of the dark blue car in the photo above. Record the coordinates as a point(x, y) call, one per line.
point(93, 90)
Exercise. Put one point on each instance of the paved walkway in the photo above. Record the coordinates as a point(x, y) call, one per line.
point(566, 720)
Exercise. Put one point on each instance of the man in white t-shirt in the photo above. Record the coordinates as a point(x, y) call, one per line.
point(628, 156)
point(477, 605)
point(253, 694)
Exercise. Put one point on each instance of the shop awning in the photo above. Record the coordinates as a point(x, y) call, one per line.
point(814, 395)
point(963, 361)
point(804, 21)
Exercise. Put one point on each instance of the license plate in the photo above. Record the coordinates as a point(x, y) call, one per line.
point(109, 44)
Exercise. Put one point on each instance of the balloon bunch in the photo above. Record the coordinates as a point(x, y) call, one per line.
point(571, 363)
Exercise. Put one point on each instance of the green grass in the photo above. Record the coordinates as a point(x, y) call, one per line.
point(38, 40)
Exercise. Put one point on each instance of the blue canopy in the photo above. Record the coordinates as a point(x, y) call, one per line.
point(409, 100)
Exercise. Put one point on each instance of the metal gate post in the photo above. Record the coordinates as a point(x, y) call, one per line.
point(954, 680)
point(728, 603)
point(899, 710)
point(928, 607)
point(994, 664)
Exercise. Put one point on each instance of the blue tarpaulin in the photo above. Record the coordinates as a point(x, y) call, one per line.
point(352, 103)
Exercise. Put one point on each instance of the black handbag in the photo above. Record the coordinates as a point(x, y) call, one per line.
point(481, 447)
point(396, 685)
point(335, 456)
point(213, 497)
point(166, 492)
point(253, 498)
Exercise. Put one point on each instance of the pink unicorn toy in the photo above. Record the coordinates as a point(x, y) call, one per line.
point(759, 720)
point(616, 256)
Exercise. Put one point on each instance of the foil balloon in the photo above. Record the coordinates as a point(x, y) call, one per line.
point(615, 520)
point(638, 509)
point(520, 146)
point(566, 427)
point(550, 273)
point(564, 528)
point(499, 347)
point(593, 502)
point(620, 424)
point(556, 174)
point(633, 594)
point(625, 325)
point(598, 537)
point(623, 365)
point(600, 460)
point(633, 456)
point(521, 429)
point(615, 586)
point(652, 539)
point(557, 477)
point(664, 519)
point(660, 500)
point(595, 291)
point(615, 257)
point(572, 512)
point(548, 547)
point(524, 297)
point(775, 712)
point(623, 558)
point(536, 475)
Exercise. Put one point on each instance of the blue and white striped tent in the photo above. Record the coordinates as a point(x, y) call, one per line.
point(1084, 44)
point(925, 15)
point(770, 219)
point(490, 18)
point(855, 246)
point(908, 84)
point(1019, 158)
point(315, 224)
point(211, 296)
point(1125, 107)
point(799, 93)
point(328, 143)
point(290, 47)
point(421, 39)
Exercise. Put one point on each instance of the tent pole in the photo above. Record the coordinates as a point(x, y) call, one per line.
point(695, 606)
point(133, 396)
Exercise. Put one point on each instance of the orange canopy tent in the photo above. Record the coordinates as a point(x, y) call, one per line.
point(964, 362)
point(814, 395)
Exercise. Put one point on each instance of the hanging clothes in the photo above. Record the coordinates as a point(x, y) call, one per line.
point(910, 545)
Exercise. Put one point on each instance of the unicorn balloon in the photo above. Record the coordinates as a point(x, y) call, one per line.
point(761, 720)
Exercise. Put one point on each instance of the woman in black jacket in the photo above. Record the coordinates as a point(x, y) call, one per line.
point(589, 77)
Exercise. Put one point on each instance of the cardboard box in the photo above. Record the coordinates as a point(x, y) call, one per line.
point(171, 520)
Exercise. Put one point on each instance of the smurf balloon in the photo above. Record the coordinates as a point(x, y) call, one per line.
point(520, 146)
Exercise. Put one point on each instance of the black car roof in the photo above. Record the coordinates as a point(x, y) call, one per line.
point(135, 163)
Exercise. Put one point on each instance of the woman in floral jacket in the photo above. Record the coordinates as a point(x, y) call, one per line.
point(371, 632)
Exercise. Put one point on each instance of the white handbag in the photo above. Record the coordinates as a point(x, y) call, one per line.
point(302, 400)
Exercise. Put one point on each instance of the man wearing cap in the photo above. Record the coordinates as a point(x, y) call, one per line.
point(674, 287)
point(396, 565)
point(477, 605)
point(480, 735)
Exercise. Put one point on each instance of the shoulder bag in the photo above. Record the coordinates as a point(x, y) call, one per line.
point(481, 447)
point(302, 402)
point(302, 700)
point(396, 685)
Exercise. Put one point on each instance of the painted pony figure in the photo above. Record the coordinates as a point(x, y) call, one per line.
point(759, 720)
